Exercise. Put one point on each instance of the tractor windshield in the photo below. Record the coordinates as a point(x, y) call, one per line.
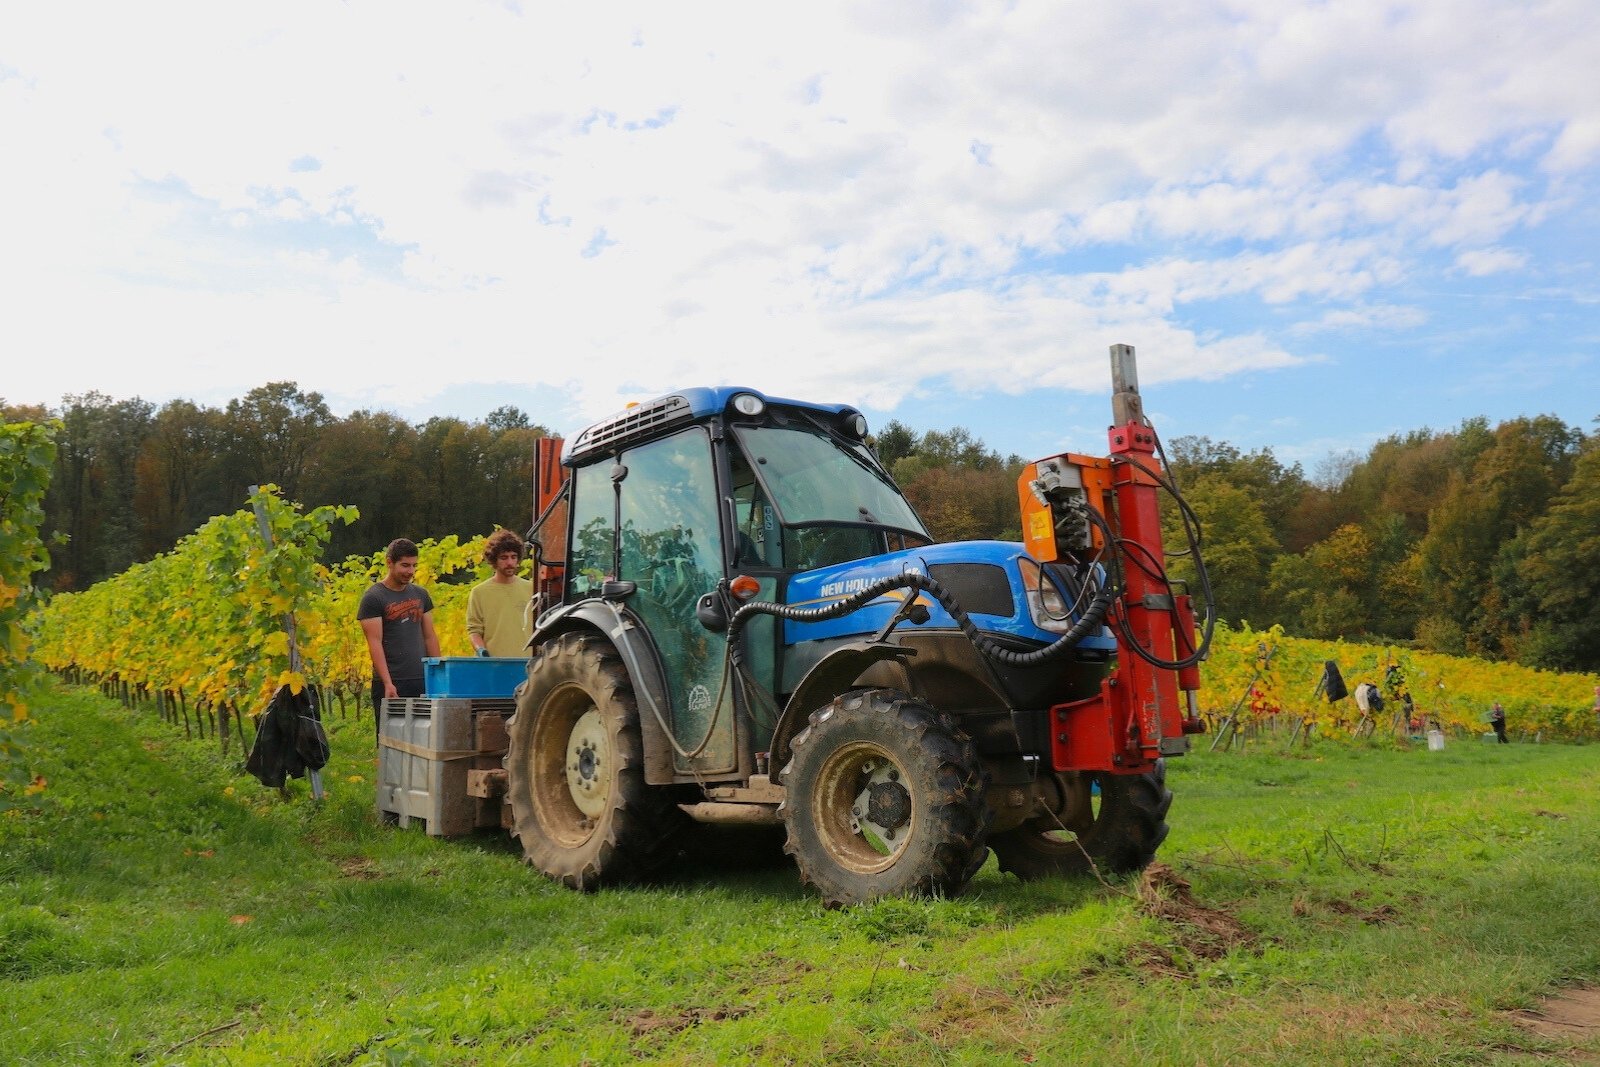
point(833, 500)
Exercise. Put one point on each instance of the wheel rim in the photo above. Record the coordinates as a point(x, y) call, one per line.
point(589, 764)
point(570, 765)
point(864, 812)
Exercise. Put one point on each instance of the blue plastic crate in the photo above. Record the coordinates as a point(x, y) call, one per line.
point(473, 676)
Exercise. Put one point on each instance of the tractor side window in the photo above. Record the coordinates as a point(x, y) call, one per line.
point(592, 506)
point(823, 546)
point(671, 542)
point(754, 520)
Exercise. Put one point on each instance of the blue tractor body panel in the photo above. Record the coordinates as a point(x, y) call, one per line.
point(711, 400)
point(828, 585)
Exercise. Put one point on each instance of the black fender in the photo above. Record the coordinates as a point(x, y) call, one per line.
point(632, 641)
point(832, 675)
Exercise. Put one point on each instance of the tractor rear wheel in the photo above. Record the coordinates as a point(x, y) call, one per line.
point(1119, 830)
point(884, 797)
point(575, 770)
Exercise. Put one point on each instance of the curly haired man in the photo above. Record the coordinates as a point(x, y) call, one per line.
point(497, 607)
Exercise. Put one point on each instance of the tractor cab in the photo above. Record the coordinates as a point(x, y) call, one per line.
point(673, 499)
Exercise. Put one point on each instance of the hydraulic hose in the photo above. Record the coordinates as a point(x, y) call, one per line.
point(1090, 621)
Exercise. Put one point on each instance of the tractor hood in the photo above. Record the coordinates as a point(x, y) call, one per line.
point(984, 577)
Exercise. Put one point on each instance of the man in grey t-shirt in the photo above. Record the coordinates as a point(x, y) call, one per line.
point(396, 617)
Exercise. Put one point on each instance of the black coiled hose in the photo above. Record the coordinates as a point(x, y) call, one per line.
point(1092, 617)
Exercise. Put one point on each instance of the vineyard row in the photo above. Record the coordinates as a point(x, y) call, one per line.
point(205, 623)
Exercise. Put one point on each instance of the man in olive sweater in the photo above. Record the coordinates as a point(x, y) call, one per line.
point(497, 607)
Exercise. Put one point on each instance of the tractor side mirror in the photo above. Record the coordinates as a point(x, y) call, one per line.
point(711, 610)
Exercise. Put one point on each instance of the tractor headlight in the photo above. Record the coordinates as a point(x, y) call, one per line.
point(749, 404)
point(1049, 609)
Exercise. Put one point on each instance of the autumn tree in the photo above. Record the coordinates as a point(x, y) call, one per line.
point(367, 459)
point(1237, 545)
point(91, 498)
point(1560, 564)
point(1510, 485)
point(271, 435)
point(961, 489)
point(176, 481)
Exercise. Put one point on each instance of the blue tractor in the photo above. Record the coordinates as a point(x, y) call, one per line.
point(742, 623)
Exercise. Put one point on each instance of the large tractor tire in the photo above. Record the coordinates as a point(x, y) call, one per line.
point(1119, 830)
point(575, 770)
point(885, 797)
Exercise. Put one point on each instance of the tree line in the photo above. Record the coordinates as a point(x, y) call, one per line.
point(1475, 541)
point(1479, 540)
point(130, 478)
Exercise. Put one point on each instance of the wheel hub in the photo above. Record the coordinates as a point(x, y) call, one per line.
point(888, 804)
point(882, 809)
point(589, 764)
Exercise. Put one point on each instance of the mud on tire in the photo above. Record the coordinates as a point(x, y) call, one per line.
point(1120, 830)
point(575, 770)
point(885, 797)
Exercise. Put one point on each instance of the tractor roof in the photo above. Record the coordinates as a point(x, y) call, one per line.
point(653, 417)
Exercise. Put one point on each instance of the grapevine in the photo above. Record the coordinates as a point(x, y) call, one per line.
point(27, 452)
point(204, 621)
point(1454, 691)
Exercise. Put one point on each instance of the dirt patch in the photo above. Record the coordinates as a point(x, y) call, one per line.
point(766, 970)
point(1207, 932)
point(1383, 913)
point(645, 1022)
point(1571, 1013)
point(1324, 1018)
point(1151, 958)
point(362, 869)
point(965, 1008)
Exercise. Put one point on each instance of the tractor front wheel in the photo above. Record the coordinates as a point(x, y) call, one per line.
point(1115, 821)
point(575, 770)
point(884, 797)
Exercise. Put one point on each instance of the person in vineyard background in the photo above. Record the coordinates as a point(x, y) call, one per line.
point(498, 606)
point(1497, 719)
point(396, 616)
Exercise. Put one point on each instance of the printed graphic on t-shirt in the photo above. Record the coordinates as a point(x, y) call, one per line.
point(404, 611)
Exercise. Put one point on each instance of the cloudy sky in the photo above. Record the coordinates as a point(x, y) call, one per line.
point(1319, 223)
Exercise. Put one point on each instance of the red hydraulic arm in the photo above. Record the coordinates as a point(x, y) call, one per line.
point(1136, 718)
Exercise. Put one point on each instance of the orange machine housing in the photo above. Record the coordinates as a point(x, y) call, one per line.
point(1136, 718)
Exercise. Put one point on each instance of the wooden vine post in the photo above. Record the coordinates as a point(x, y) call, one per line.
point(314, 776)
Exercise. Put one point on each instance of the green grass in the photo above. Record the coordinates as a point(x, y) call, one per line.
point(158, 906)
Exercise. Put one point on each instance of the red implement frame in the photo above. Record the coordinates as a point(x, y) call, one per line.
point(1137, 717)
point(549, 476)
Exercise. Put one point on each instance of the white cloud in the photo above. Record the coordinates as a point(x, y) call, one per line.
point(381, 199)
point(1479, 262)
point(1364, 317)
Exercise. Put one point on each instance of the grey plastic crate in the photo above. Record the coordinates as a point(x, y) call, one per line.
point(425, 749)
